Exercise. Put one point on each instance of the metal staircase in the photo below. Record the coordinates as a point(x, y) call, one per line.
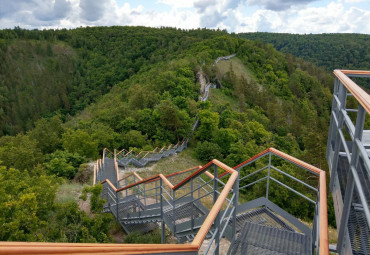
point(203, 206)
point(182, 201)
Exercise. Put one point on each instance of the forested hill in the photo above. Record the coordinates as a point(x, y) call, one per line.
point(330, 51)
point(63, 71)
point(136, 88)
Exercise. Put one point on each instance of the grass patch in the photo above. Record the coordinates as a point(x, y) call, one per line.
point(184, 160)
point(69, 192)
point(218, 98)
point(238, 67)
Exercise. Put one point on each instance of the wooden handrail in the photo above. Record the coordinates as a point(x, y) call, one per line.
point(207, 224)
point(125, 177)
point(138, 176)
point(92, 248)
point(361, 96)
point(110, 184)
point(184, 171)
point(116, 165)
point(169, 184)
point(323, 216)
point(356, 72)
point(209, 174)
point(203, 169)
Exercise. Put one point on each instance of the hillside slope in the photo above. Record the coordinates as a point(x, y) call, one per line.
point(330, 51)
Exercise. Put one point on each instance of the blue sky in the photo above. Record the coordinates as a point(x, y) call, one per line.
point(289, 16)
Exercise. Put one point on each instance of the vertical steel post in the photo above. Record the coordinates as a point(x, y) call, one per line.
point(156, 192)
point(342, 96)
point(360, 121)
point(126, 185)
point(332, 126)
point(199, 187)
point(192, 205)
point(161, 208)
point(235, 204)
point(217, 220)
point(268, 177)
point(144, 194)
point(117, 200)
point(174, 211)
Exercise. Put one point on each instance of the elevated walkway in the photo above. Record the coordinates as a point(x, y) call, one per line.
point(183, 201)
point(348, 159)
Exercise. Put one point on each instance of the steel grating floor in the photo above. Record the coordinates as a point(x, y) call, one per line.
point(358, 228)
point(140, 227)
point(183, 212)
point(259, 239)
point(262, 216)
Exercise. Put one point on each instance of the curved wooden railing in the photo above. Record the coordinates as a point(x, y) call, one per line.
point(362, 97)
point(323, 213)
point(195, 245)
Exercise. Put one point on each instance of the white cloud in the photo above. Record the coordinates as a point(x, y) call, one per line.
point(279, 5)
point(267, 15)
point(177, 3)
point(356, 1)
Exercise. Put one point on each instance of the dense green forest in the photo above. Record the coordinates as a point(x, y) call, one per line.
point(330, 51)
point(77, 91)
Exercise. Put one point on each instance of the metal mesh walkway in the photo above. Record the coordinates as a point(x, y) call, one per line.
point(109, 171)
point(259, 239)
point(183, 212)
point(262, 216)
point(358, 230)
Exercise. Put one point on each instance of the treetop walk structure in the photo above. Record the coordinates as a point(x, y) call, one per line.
point(203, 203)
point(239, 207)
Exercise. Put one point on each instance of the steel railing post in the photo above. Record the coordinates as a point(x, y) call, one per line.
point(217, 220)
point(161, 208)
point(174, 211)
point(268, 177)
point(192, 205)
point(347, 204)
point(117, 200)
point(342, 95)
point(332, 126)
point(235, 204)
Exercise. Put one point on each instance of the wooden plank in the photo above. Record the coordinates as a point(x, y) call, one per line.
point(168, 183)
point(91, 248)
point(361, 96)
point(199, 238)
point(323, 216)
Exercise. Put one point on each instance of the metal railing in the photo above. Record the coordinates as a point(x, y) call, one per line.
point(179, 204)
point(348, 159)
point(262, 170)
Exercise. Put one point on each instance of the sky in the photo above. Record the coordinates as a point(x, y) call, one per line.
point(283, 16)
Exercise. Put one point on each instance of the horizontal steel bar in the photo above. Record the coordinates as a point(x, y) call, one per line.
point(255, 172)
point(227, 208)
point(211, 241)
point(166, 192)
point(226, 223)
point(193, 191)
point(293, 190)
point(167, 201)
point(337, 100)
point(335, 118)
point(343, 140)
point(349, 123)
point(250, 184)
point(292, 177)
